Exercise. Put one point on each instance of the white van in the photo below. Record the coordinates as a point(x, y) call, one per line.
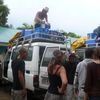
point(39, 54)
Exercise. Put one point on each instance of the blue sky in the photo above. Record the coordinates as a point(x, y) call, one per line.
point(78, 16)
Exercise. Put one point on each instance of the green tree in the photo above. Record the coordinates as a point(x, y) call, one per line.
point(1, 1)
point(71, 34)
point(25, 26)
point(4, 11)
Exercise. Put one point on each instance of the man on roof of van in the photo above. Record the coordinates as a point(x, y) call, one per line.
point(41, 17)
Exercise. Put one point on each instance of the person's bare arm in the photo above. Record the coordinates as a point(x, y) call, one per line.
point(37, 18)
point(86, 97)
point(46, 19)
point(64, 80)
point(22, 82)
point(76, 83)
point(21, 79)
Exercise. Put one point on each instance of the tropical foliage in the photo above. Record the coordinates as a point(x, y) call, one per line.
point(71, 34)
point(25, 26)
point(4, 11)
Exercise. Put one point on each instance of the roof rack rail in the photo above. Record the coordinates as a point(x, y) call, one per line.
point(93, 45)
point(40, 37)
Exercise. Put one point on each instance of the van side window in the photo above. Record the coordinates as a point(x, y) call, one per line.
point(63, 49)
point(30, 53)
point(48, 55)
point(16, 50)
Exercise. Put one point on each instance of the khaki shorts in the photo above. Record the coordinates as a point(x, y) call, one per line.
point(50, 96)
point(16, 95)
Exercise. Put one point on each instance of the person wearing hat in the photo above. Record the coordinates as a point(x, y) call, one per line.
point(41, 17)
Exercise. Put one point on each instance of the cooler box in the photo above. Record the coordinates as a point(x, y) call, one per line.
point(91, 35)
point(40, 35)
point(26, 32)
point(91, 42)
point(42, 30)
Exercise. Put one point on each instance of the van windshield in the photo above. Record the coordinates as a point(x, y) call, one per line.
point(29, 56)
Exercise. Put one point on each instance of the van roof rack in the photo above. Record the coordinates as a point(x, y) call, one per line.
point(93, 45)
point(39, 37)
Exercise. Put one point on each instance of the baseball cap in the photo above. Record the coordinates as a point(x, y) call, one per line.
point(46, 9)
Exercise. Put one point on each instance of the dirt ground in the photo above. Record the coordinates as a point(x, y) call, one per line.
point(4, 93)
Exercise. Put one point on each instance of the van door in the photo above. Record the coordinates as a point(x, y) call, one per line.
point(5, 65)
point(43, 76)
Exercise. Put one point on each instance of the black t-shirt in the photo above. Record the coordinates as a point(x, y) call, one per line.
point(17, 65)
point(70, 70)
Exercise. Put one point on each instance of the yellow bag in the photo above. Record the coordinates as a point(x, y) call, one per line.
point(10, 44)
point(78, 43)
